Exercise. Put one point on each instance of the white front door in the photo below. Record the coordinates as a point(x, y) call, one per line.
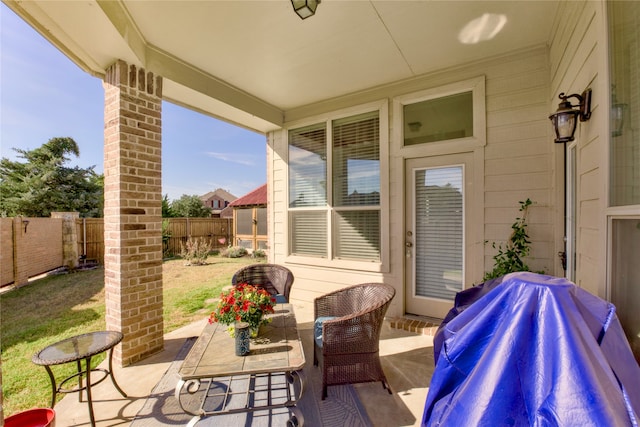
point(438, 203)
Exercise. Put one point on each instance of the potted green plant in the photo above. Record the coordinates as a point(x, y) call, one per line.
point(510, 257)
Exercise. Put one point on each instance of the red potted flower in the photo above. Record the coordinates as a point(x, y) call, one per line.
point(244, 303)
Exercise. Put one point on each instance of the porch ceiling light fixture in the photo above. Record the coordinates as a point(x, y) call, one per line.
point(565, 119)
point(305, 8)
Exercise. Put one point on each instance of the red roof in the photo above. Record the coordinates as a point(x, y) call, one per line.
point(255, 197)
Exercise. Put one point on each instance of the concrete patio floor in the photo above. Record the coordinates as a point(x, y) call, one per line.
point(407, 359)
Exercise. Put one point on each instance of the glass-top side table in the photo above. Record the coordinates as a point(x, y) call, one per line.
point(76, 349)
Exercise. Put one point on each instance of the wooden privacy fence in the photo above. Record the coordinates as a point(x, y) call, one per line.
point(31, 246)
point(90, 232)
point(218, 230)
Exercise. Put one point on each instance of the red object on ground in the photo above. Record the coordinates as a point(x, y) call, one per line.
point(37, 417)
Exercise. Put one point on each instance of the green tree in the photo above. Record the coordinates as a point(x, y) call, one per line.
point(167, 212)
point(190, 206)
point(44, 184)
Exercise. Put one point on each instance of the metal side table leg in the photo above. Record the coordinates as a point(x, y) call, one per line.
point(79, 364)
point(54, 388)
point(88, 382)
point(113, 378)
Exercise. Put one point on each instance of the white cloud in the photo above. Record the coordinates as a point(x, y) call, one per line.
point(239, 158)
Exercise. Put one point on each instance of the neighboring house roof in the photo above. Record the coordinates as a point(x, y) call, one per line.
point(255, 197)
point(223, 194)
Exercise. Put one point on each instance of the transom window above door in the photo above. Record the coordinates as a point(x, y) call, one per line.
point(439, 119)
point(442, 120)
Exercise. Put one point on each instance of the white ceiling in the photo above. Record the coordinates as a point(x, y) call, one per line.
point(250, 62)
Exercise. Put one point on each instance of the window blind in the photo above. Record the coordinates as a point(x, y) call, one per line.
point(356, 160)
point(308, 233)
point(357, 235)
point(308, 166)
point(439, 232)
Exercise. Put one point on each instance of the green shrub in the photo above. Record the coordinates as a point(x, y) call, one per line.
point(196, 250)
point(510, 257)
point(258, 253)
point(234, 252)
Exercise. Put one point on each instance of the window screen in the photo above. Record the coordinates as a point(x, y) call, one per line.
point(262, 221)
point(244, 217)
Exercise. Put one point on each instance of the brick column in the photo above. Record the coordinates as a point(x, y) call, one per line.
point(69, 238)
point(21, 256)
point(133, 210)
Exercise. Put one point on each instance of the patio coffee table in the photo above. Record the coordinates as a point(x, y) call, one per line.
point(76, 349)
point(214, 381)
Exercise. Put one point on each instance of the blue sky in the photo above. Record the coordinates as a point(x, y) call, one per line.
point(44, 95)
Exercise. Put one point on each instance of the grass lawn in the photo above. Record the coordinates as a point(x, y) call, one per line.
point(57, 307)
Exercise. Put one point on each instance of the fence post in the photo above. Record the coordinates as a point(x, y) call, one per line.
point(69, 238)
point(20, 270)
point(84, 237)
point(1, 398)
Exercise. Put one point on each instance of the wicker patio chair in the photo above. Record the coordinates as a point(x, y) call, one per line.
point(347, 334)
point(276, 279)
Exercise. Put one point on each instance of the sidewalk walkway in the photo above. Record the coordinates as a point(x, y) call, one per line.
point(407, 359)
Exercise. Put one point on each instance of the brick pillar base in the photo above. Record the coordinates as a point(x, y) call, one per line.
point(69, 238)
point(133, 210)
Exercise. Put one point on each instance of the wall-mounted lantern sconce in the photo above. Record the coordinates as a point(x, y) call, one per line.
point(25, 223)
point(565, 119)
point(617, 114)
point(305, 8)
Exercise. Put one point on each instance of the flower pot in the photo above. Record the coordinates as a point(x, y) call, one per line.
point(37, 417)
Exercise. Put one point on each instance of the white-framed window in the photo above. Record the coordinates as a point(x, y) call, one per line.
point(336, 169)
point(442, 120)
point(623, 211)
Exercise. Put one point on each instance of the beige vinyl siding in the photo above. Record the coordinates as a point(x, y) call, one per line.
point(518, 157)
point(578, 61)
point(276, 199)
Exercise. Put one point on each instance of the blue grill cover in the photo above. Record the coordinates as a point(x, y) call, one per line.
point(532, 350)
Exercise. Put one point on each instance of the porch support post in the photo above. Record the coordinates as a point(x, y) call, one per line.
point(133, 210)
